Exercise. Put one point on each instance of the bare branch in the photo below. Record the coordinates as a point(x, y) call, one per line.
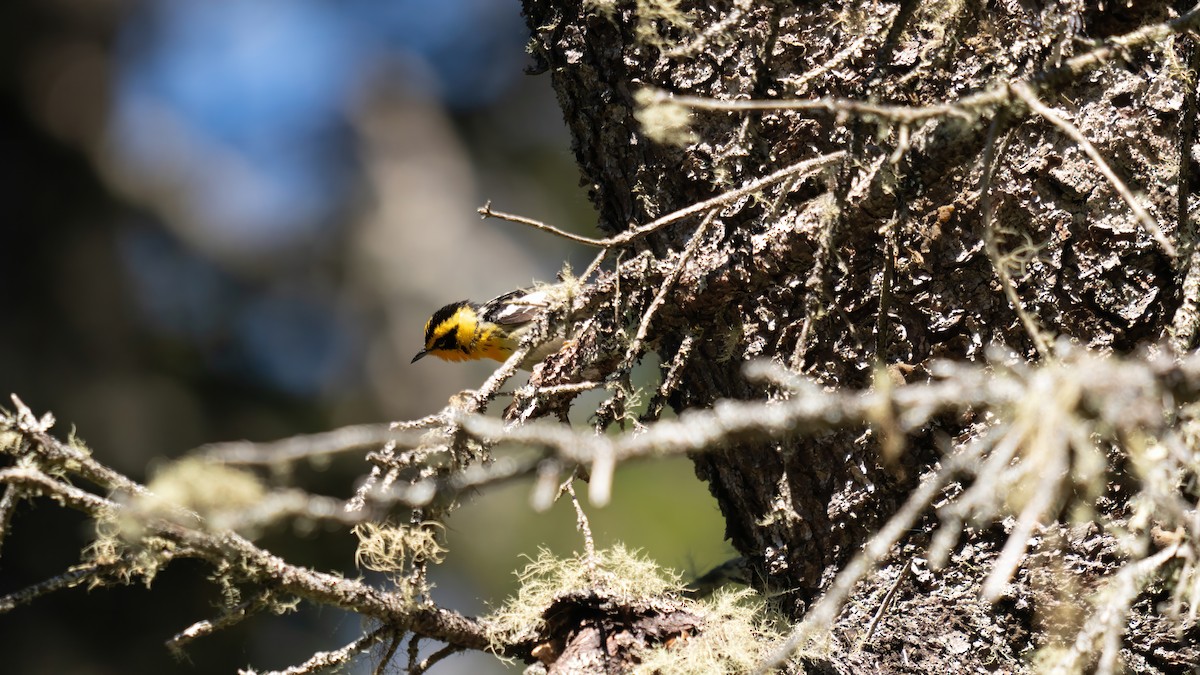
point(8, 505)
point(34, 481)
point(434, 658)
point(330, 589)
point(323, 660)
point(804, 168)
point(62, 455)
point(635, 345)
point(312, 446)
point(966, 108)
point(206, 627)
point(486, 211)
point(69, 579)
point(714, 30)
point(223, 546)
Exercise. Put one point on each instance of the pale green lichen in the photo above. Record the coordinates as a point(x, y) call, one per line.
point(654, 14)
point(384, 547)
point(125, 559)
point(651, 16)
point(616, 573)
point(203, 487)
point(663, 121)
point(739, 633)
point(737, 630)
point(605, 8)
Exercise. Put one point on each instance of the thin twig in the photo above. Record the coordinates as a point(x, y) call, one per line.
point(228, 547)
point(206, 627)
point(1045, 492)
point(885, 288)
point(966, 108)
point(855, 47)
point(1108, 622)
point(716, 28)
point(568, 388)
point(1155, 33)
point(885, 604)
point(63, 454)
point(8, 506)
point(311, 446)
point(953, 516)
point(382, 464)
point(1186, 321)
point(76, 498)
point(593, 266)
point(635, 345)
point(69, 579)
point(279, 505)
point(603, 466)
point(591, 560)
point(479, 400)
point(803, 168)
point(545, 487)
point(1186, 226)
point(487, 211)
point(474, 477)
point(393, 645)
point(322, 660)
point(883, 56)
point(1026, 94)
point(433, 659)
point(670, 380)
point(992, 246)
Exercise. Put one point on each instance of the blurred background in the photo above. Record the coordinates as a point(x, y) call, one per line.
point(227, 219)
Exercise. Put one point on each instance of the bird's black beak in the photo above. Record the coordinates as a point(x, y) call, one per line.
point(420, 355)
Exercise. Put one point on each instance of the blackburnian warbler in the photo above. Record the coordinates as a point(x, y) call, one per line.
point(467, 331)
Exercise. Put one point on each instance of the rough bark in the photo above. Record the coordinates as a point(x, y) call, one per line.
point(884, 260)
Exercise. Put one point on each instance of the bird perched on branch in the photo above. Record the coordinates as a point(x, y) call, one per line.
point(468, 331)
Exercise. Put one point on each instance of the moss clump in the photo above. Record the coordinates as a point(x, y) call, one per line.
point(655, 15)
point(206, 488)
point(384, 547)
point(739, 634)
point(663, 121)
point(616, 573)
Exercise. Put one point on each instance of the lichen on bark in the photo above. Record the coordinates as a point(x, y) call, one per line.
point(879, 264)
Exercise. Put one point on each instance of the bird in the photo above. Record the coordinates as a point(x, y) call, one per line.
point(469, 331)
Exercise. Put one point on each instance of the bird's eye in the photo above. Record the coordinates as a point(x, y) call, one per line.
point(446, 342)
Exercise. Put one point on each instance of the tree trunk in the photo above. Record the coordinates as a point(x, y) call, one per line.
point(893, 258)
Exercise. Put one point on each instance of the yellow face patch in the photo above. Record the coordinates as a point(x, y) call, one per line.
point(451, 337)
point(457, 336)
